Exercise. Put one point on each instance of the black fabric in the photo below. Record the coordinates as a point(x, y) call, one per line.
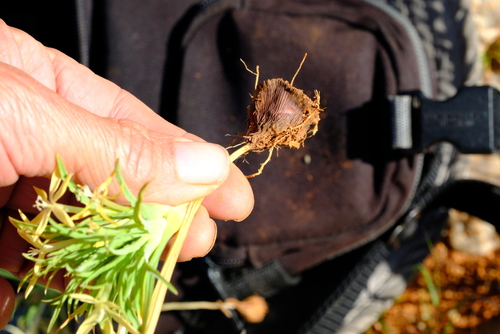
point(478, 198)
point(265, 281)
point(345, 186)
point(53, 23)
point(129, 43)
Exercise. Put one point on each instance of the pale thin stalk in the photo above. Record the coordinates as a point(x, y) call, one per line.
point(202, 305)
point(167, 270)
point(160, 290)
point(239, 152)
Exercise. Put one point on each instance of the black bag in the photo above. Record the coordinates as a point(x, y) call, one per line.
point(346, 186)
point(339, 224)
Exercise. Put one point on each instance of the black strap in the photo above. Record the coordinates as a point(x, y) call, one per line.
point(329, 318)
point(478, 198)
point(264, 281)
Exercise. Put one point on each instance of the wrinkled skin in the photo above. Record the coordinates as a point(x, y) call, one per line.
point(50, 104)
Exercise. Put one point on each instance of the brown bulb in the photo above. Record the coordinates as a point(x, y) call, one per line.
point(280, 115)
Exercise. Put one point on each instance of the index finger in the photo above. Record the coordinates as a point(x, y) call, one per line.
point(79, 85)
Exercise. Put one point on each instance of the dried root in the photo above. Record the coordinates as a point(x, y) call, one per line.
point(280, 115)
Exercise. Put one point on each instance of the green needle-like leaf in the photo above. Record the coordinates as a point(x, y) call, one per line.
point(110, 251)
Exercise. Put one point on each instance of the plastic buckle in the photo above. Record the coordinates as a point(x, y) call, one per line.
point(470, 121)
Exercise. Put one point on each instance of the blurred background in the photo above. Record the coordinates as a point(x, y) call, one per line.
point(457, 289)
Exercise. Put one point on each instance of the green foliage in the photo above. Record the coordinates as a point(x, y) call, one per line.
point(109, 251)
point(429, 282)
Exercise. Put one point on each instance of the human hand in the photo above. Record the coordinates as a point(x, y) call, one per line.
point(49, 105)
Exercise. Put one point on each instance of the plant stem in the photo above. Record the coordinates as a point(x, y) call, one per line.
point(239, 152)
point(202, 305)
point(167, 270)
point(160, 289)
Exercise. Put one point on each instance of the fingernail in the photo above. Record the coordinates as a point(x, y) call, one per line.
point(201, 163)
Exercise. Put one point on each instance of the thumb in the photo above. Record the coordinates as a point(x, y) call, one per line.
point(37, 124)
point(7, 302)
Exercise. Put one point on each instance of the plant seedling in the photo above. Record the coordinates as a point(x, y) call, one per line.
point(110, 252)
